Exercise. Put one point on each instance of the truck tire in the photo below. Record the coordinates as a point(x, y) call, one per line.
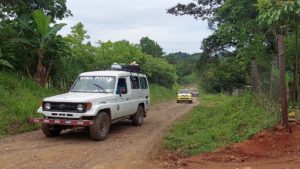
point(49, 132)
point(138, 117)
point(99, 129)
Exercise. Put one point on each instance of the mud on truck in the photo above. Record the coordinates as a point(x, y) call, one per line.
point(96, 100)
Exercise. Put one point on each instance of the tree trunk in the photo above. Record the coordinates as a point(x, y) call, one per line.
point(255, 81)
point(48, 72)
point(40, 74)
point(283, 94)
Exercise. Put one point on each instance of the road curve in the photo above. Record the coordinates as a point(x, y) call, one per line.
point(127, 147)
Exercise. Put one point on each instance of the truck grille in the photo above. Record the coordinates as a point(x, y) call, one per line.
point(64, 107)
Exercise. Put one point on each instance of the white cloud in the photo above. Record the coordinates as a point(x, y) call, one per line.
point(132, 19)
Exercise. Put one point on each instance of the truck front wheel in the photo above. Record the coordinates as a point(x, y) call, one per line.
point(50, 131)
point(99, 129)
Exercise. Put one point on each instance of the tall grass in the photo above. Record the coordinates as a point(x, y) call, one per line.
point(19, 99)
point(160, 94)
point(217, 121)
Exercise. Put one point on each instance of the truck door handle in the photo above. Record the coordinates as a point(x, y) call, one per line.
point(147, 97)
point(127, 99)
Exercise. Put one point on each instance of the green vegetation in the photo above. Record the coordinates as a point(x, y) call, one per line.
point(160, 94)
point(242, 50)
point(254, 45)
point(185, 66)
point(31, 49)
point(151, 47)
point(217, 121)
point(30, 45)
point(19, 99)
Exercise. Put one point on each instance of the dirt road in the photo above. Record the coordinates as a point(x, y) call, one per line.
point(126, 146)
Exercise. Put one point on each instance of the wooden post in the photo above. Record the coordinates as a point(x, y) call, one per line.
point(282, 83)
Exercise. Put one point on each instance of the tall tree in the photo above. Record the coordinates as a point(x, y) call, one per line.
point(281, 15)
point(151, 47)
point(12, 9)
point(42, 35)
point(22, 57)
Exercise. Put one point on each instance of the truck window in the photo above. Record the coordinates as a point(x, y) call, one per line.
point(144, 84)
point(121, 85)
point(134, 82)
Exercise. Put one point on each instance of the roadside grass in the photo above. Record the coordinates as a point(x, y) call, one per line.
point(161, 94)
point(218, 120)
point(19, 99)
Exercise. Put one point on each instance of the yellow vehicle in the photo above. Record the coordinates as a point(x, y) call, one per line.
point(184, 95)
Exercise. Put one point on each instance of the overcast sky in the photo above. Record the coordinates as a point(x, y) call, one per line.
point(132, 19)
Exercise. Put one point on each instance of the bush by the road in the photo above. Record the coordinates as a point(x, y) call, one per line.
point(159, 93)
point(19, 99)
point(217, 121)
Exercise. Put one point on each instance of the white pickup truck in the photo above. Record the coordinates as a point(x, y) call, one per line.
point(96, 100)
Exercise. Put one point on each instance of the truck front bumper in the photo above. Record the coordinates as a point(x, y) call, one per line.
point(66, 122)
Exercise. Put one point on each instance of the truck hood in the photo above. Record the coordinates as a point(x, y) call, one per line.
point(77, 97)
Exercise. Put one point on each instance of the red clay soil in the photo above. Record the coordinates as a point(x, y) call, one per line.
point(269, 149)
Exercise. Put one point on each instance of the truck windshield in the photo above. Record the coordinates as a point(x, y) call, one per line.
point(94, 84)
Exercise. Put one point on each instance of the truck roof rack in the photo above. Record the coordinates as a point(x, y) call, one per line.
point(127, 68)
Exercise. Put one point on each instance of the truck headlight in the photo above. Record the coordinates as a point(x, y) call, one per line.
point(47, 106)
point(89, 105)
point(80, 107)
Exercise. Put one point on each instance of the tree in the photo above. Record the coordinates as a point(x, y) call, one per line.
point(201, 9)
point(78, 34)
point(185, 66)
point(281, 15)
point(39, 41)
point(81, 57)
point(287, 14)
point(14, 9)
point(158, 70)
point(235, 32)
point(151, 47)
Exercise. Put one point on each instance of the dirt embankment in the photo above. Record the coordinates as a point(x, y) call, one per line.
point(270, 149)
point(126, 146)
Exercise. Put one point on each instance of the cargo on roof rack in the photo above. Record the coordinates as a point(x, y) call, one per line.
point(129, 68)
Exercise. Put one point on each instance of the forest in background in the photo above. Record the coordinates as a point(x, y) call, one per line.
point(36, 61)
point(31, 46)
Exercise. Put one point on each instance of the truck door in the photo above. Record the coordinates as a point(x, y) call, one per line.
point(123, 97)
point(135, 97)
point(145, 92)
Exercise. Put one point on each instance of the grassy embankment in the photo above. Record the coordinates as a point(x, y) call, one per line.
point(217, 121)
point(20, 97)
point(161, 94)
